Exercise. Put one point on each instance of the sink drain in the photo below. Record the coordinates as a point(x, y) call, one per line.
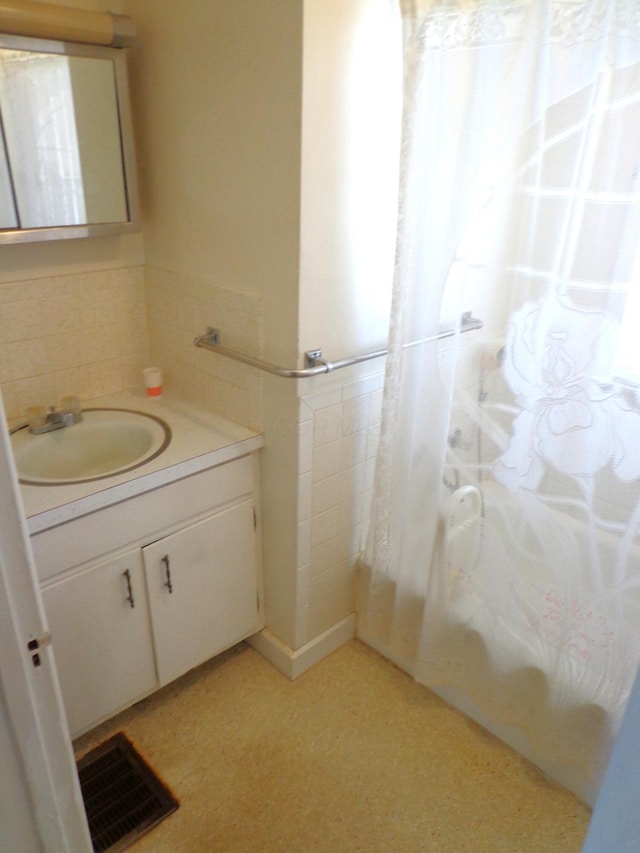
point(123, 797)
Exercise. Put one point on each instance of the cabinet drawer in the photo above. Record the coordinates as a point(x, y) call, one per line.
point(76, 542)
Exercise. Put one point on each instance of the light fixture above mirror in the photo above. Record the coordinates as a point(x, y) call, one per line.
point(67, 165)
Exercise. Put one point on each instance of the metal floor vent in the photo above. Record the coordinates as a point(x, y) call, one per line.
point(122, 796)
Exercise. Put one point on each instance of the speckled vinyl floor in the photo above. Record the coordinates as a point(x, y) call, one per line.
point(353, 756)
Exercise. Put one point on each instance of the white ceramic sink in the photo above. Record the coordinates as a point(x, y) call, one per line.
point(104, 443)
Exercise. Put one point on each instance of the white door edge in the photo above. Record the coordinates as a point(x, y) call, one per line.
point(32, 693)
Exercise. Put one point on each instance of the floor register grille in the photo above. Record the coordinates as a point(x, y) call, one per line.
point(123, 797)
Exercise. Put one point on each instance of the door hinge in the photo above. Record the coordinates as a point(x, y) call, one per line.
point(255, 520)
point(35, 645)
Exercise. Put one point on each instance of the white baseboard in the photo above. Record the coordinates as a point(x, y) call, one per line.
point(293, 663)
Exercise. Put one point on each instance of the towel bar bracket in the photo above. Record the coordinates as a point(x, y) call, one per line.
point(313, 358)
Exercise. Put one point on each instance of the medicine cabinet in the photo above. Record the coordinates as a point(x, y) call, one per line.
point(67, 165)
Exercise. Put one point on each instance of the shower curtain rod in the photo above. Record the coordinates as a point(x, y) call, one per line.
point(314, 363)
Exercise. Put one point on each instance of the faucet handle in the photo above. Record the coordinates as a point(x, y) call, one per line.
point(36, 416)
point(71, 405)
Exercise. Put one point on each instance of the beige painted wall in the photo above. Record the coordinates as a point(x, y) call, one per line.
point(217, 100)
point(350, 156)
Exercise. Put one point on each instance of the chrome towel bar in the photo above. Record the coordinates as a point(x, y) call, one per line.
point(314, 363)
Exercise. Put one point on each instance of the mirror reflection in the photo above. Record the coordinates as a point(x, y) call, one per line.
point(62, 157)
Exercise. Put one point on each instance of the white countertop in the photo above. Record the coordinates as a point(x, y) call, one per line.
point(199, 440)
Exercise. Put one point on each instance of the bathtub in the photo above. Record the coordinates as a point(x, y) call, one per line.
point(522, 648)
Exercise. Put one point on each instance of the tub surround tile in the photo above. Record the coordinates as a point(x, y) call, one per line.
point(304, 496)
point(372, 441)
point(363, 387)
point(302, 587)
point(302, 626)
point(327, 460)
point(305, 447)
point(330, 492)
point(326, 612)
point(303, 543)
point(344, 434)
point(305, 412)
point(323, 556)
point(350, 542)
point(327, 425)
point(324, 526)
point(338, 577)
point(351, 512)
point(354, 448)
point(324, 399)
point(355, 415)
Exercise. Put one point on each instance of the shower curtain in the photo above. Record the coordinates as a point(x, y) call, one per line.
point(502, 564)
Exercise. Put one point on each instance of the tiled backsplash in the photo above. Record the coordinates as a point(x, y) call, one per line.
point(180, 308)
point(83, 334)
point(338, 440)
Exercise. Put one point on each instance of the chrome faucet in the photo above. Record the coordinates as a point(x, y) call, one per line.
point(67, 414)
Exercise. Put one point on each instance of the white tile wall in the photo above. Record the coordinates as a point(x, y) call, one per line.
point(338, 442)
point(83, 334)
point(180, 308)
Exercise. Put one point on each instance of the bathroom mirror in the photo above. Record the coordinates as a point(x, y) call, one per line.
point(67, 166)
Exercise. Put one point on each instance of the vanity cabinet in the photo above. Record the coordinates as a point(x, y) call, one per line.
point(141, 613)
point(103, 652)
point(202, 590)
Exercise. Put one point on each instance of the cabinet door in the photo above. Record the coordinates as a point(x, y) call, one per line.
point(202, 586)
point(101, 643)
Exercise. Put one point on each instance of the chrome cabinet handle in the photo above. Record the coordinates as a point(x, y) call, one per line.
point(167, 583)
point(129, 598)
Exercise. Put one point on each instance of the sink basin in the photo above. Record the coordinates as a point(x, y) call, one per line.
point(106, 442)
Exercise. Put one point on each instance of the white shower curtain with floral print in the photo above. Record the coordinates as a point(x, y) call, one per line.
point(503, 560)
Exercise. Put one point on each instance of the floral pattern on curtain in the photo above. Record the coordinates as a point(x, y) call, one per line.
point(503, 558)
